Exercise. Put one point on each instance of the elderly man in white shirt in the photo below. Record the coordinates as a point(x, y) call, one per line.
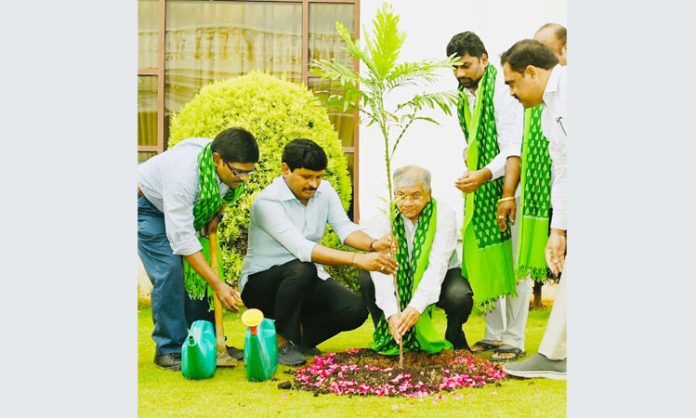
point(282, 274)
point(441, 284)
point(489, 265)
point(534, 76)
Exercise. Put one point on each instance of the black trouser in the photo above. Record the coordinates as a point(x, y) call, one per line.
point(306, 309)
point(456, 298)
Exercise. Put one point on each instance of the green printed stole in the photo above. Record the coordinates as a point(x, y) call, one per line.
point(487, 251)
point(209, 204)
point(535, 200)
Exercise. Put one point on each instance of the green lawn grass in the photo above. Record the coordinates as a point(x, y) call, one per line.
point(163, 393)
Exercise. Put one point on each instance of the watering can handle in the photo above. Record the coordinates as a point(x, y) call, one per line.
point(214, 264)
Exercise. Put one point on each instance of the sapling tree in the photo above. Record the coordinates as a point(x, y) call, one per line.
point(370, 91)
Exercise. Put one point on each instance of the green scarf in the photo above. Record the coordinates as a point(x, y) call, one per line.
point(207, 207)
point(487, 251)
point(535, 200)
point(423, 336)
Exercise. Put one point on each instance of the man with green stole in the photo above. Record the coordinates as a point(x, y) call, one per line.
point(181, 194)
point(535, 78)
point(428, 272)
point(492, 125)
point(535, 183)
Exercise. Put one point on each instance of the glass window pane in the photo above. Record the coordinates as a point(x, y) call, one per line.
point(324, 40)
point(350, 158)
point(147, 110)
point(145, 155)
point(148, 36)
point(208, 41)
point(342, 122)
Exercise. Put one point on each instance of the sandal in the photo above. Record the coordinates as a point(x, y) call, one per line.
point(503, 352)
point(486, 345)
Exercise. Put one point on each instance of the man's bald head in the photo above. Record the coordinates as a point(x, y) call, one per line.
point(554, 36)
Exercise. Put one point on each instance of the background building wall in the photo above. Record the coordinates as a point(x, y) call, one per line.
point(429, 27)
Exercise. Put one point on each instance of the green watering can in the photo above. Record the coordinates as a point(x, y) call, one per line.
point(260, 346)
point(199, 351)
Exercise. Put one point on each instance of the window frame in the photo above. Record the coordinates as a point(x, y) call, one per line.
point(306, 74)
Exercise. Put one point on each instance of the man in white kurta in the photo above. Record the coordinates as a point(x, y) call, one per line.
point(534, 76)
point(505, 323)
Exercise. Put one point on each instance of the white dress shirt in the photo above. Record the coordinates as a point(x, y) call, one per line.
point(170, 182)
point(554, 124)
point(509, 123)
point(443, 256)
point(282, 229)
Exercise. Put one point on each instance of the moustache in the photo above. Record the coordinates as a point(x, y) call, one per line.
point(466, 81)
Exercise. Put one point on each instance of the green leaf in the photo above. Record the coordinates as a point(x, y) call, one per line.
point(427, 119)
point(384, 44)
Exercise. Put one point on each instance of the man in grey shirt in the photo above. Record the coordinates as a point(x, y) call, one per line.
point(187, 185)
point(282, 273)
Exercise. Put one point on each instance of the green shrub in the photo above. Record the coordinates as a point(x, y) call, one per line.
point(275, 112)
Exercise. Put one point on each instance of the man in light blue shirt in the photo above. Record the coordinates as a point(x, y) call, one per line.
point(169, 191)
point(283, 274)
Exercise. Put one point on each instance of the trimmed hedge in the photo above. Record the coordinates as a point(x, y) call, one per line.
point(275, 112)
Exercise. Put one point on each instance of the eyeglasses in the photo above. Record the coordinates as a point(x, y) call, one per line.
point(413, 198)
point(239, 173)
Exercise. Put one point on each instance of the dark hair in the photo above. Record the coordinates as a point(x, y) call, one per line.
point(561, 32)
point(236, 145)
point(528, 52)
point(466, 43)
point(303, 153)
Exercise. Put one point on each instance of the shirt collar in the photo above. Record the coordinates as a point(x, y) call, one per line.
point(554, 81)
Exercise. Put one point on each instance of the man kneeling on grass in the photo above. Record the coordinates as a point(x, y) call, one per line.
point(429, 272)
point(282, 273)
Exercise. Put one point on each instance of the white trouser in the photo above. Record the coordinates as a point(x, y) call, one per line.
point(553, 345)
point(508, 318)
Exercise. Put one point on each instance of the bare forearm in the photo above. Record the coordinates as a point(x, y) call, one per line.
point(512, 176)
point(360, 241)
point(197, 261)
point(332, 257)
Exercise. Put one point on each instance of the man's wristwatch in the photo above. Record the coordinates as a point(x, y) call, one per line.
point(372, 248)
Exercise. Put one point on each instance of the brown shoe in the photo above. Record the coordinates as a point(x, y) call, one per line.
point(171, 361)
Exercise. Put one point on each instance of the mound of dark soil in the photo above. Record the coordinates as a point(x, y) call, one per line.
point(364, 372)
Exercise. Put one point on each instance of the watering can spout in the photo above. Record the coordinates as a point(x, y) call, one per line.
point(191, 341)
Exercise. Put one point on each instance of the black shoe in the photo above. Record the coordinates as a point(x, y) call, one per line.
point(310, 351)
point(457, 338)
point(235, 353)
point(171, 361)
point(290, 355)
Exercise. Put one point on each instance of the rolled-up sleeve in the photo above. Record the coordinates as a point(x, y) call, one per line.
point(337, 217)
point(444, 244)
point(270, 216)
point(178, 220)
point(509, 122)
point(385, 296)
